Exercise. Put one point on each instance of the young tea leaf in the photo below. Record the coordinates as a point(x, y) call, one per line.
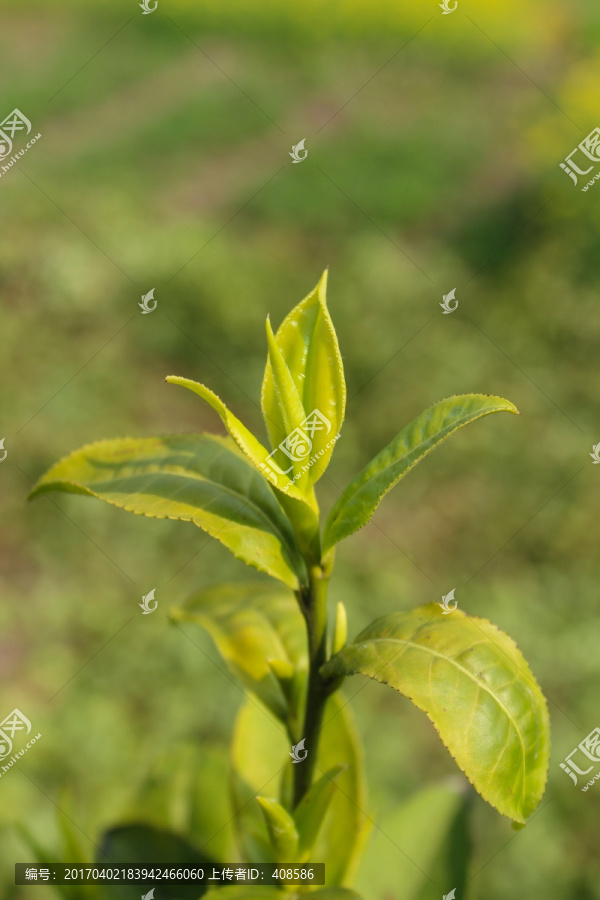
point(248, 444)
point(476, 688)
point(308, 344)
point(364, 493)
point(290, 417)
point(281, 828)
point(194, 478)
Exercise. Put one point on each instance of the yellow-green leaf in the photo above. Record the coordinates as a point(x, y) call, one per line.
point(193, 478)
point(248, 444)
point(311, 811)
point(291, 455)
point(308, 345)
point(364, 493)
point(252, 623)
point(340, 631)
point(477, 689)
point(281, 828)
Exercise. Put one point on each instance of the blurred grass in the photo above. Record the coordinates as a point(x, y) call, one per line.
point(156, 169)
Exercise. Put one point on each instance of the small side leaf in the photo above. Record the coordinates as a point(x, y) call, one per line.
point(202, 479)
point(364, 493)
point(310, 812)
point(252, 623)
point(474, 684)
point(309, 347)
point(281, 828)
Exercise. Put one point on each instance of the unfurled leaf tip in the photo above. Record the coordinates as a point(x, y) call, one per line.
point(322, 286)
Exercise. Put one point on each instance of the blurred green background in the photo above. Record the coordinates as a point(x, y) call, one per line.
point(434, 145)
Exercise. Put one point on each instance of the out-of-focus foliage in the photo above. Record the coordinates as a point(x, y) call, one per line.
point(433, 164)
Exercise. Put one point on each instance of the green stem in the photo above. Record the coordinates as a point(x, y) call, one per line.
point(314, 608)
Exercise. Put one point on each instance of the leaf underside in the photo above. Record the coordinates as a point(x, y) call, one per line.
point(475, 686)
point(202, 479)
point(250, 623)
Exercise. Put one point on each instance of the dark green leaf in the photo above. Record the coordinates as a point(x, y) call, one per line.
point(144, 847)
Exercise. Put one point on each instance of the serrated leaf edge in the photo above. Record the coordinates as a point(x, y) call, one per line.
point(467, 420)
point(529, 674)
